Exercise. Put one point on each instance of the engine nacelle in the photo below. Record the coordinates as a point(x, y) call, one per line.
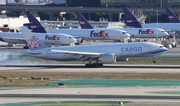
point(108, 58)
point(171, 33)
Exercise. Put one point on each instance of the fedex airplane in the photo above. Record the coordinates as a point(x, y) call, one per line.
point(95, 55)
point(48, 38)
point(132, 21)
point(134, 32)
point(86, 34)
point(171, 16)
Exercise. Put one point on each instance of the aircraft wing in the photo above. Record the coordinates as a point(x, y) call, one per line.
point(77, 53)
point(16, 39)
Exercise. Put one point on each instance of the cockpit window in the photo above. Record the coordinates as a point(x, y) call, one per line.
point(162, 31)
point(70, 37)
point(124, 33)
point(161, 46)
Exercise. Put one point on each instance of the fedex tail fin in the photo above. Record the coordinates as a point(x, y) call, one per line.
point(171, 16)
point(34, 24)
point(32, 41)
point(83, 22)
point(130, 19)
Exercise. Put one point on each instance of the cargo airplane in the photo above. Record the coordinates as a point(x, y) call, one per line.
point(95, 55)
point(47, 38)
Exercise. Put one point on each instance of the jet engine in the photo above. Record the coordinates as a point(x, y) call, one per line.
point(172, 32)
point(108, 58)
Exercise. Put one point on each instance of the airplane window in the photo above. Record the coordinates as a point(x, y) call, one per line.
point(161, 46)
point(70, 37)
point(162, 31)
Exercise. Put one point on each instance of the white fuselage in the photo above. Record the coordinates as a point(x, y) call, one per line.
point(94, 34)
point(47, 38)
point(165, 26)
point(146, 32)
point(122, 50)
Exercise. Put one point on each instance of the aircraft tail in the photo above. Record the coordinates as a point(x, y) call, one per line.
point(130, 19)
point(34, 24)
point(171, 16)
point(83, 22)
point(32, 41)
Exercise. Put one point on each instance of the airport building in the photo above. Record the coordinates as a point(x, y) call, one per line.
point(141, 3)
point(31, 2)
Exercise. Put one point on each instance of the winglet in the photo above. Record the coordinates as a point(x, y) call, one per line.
point(32, 41)
point(34, 24)
point(171, 16)
point(83, 22)
point(130, 19)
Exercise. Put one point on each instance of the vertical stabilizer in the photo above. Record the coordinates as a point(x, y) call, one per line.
point(171, 16)
point(83, 22)
point(130, 19)
point(34, 24)
point(32, 41)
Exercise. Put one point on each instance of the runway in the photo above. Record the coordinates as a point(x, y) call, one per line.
point(107, 68)
point(134, 94)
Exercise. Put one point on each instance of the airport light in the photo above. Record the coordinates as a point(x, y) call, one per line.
point(161, 3)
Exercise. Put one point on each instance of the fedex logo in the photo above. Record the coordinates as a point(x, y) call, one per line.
point(54, 37)
point(99, 34)
point(82, 22)
point(130, 21)
point(148, 31)
point(171, 17)
point(34, 26)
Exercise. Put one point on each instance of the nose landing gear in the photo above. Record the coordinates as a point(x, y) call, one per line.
point(154, 60)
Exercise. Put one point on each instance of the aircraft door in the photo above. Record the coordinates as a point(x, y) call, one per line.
point(150, 48)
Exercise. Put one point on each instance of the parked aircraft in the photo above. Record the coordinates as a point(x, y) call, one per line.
point(48, 38)
point(96, 55)
point(86, 34)
point(134, 32)
point(131, 21)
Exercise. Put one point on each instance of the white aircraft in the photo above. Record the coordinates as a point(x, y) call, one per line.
point(96, 55)
point(47, 38)
point(134, 32)
point(146, 32)
point(132, 21)
point(94, 34)
point(165, 26)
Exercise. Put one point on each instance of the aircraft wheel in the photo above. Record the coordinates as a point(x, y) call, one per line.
point(154, 61)
point(25, 47)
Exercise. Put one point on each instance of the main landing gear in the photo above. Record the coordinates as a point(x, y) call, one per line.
point(94, 65)
point(26, 46)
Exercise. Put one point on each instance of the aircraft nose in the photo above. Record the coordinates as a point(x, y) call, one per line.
point(71, 39)
point(128, 35)
point(165, 49)
point(166, 34)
